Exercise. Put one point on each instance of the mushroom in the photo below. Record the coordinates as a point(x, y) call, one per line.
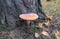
point(29, 17)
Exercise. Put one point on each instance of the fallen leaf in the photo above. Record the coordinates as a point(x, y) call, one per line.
point(48, 23)
point(36, 35)
point(45, 33)
point(57, 34)
point(48, 16)
point(40, 25)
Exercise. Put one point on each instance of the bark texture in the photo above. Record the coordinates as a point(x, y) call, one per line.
point(11, 9)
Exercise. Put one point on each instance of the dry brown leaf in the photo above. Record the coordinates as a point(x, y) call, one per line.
point(49, 17)
point(48, 23)
point(57, 34)
point(40, 25)
point(45, 33)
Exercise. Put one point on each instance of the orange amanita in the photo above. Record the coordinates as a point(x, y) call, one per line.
point(29, 17)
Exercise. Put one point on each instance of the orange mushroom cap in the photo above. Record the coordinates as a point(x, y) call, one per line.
point(29, 16)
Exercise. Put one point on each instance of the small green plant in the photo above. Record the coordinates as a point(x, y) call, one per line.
point(34, 29)
point(58, 14)
point(4, 27)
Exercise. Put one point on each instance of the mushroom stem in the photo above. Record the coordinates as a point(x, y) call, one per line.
point(28, 23)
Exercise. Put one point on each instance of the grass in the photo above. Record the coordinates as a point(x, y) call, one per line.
point(52, 7)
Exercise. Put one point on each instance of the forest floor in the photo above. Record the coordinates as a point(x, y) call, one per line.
point(51, 31)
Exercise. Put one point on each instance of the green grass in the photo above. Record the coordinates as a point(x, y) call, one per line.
point(53, 9)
